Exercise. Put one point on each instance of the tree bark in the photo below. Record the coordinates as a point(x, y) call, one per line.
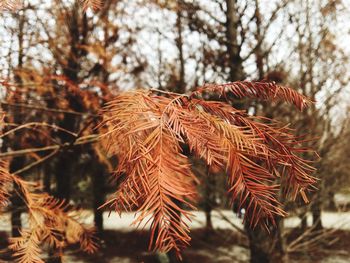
point(18, 162)
point(267, 247)
point(259, 56)
point(98, 184)
point(181, 86)
point(257, 246)
point(16, 201)
point(209, 200)
point(233, 47)
point(316, 209)
point(303, 224)
point(331, 201)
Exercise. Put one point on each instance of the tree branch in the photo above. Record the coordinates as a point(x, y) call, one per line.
point(81, 141)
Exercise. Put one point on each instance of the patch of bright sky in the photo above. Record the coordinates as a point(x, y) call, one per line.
point(156, 36)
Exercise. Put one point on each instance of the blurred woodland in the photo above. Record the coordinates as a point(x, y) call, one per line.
point(62, 61)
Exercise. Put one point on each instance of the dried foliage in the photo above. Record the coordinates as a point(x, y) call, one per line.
point(261, 90)
point(10, 4)
point(5, 177)
point(93, 4)
point(147, 130)
point(5, 185)
point(16, 4)
point(50, 221)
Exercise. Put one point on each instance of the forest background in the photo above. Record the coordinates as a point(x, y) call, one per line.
point(59, 64)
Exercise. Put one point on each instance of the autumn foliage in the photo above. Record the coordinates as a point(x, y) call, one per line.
point(16, 4)
point(49, 221)
point(76, 88)
point(147, 130)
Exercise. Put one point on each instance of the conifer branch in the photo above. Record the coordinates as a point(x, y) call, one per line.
point(145, 130)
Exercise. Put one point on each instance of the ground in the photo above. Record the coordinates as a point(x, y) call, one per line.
point(122, 243)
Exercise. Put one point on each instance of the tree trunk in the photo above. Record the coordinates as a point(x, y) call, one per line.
point(303, 223)
point(98, 184)
point(63, 184)
point(16, 201)
point(267, 247)
point(278, 251)
point(70, 122)
point(316, 209)
point(16, 211)
point(258, 245)
point(209, 200)
point(18, 162)
point(208, 220)
point(181, 87)
point(331, 201)
point(232, 46)
point(259, 56)
point(63, 176)
point(64, 167)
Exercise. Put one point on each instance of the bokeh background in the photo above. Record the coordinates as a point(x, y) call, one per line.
point(64, 63)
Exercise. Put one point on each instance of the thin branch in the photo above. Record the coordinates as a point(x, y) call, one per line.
point(225, 218)
point(34, 164)
point(41, 108)
point(89, 139)
point(26, 125)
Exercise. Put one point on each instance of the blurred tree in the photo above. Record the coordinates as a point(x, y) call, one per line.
point(75, 61)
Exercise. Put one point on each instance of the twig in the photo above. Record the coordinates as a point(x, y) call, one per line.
point(23, 126)
point(41, 108)
point(310, 236)
point(232, 224)
point(168, 92)
point(68, 144)
point(93, 138)
point(33, 164)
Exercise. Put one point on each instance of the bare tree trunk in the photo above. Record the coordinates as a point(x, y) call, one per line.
point(316, 210)
point(257, 245)
point(303, 223)
point(207, 209)
point(98, 184)
point(16, 212)
point(267, 247)
point(331, 201)
point(18, 162)
point(259, 56)
point(233, 48)
point(181, 86)
point(209, 200)
point(278, 250)
point(16, 201)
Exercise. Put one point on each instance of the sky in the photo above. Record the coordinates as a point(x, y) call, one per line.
point(155, 42)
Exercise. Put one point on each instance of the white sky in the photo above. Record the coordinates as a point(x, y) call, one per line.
point(156, 32)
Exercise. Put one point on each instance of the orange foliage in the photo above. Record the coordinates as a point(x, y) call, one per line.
point(146, 131)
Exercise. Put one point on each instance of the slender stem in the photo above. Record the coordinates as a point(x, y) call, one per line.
point(33, 164)
point(41, 108)
point(82, 140)
point(26, 125)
